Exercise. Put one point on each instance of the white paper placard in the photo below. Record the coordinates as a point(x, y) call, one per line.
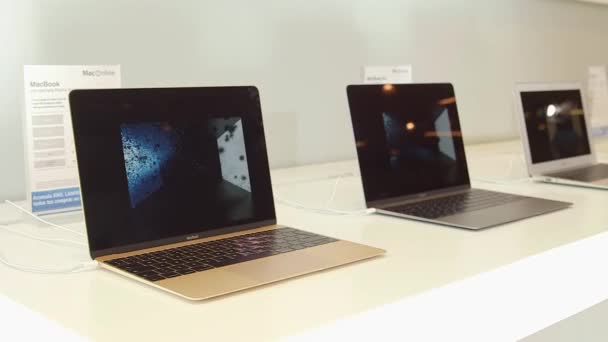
point(598, 96)
point(383, 74)
point(53, 184)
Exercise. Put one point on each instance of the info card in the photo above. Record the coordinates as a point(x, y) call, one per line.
point(53, 184)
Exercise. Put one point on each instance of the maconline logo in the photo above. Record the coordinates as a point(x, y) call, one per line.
point(98, 73)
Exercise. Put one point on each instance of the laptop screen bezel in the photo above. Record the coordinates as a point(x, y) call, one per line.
point(385, 202)
point(113, 101)
point(539, 169)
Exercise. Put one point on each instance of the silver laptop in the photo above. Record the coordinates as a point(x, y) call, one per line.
point(556, 135)
point(413, 164)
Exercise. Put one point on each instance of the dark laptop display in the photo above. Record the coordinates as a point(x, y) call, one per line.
point(555, 124)
point(408, 139)
point(171, 168)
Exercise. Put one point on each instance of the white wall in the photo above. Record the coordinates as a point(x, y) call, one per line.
point(302, 54)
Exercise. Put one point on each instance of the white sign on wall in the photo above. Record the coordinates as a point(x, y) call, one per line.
point(391, 74)
point(598, 96)
point(53, 183)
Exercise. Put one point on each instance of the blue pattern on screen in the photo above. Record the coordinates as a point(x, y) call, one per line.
point(146, 147)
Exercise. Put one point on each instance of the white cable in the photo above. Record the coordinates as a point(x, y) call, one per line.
point(85, 266)
point(503, 182)
point(316, 179)
point(40, 238)
point(326, 210)
point(321, 210)
point(333, 193)
point(43, 220)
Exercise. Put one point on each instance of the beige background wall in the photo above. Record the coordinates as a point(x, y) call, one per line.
point(301, 54)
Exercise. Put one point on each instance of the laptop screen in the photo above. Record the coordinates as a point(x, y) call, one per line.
point(158, 164)
point(555, 124)
point(408, 139)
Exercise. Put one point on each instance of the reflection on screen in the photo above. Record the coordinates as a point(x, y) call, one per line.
point(555, 124)
point(181, 170)
point(408, 139)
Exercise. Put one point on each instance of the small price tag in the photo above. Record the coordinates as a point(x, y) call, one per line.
point(392, 74)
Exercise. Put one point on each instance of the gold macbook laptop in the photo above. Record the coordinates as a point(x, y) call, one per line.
point(177, 194)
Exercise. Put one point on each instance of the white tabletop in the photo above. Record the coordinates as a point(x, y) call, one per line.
point(26, 325)
point(506, 304)
point(104, 306)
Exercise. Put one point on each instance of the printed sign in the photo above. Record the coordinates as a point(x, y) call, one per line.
point(53, 184)
point(390, 74)
point(598, 96)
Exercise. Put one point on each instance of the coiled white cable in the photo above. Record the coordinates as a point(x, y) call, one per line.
point(326, 210)
point(333, 193)
point(322, 210)
point(25, 211)
point(86, 266)
point(40, 238)
point(82, 267)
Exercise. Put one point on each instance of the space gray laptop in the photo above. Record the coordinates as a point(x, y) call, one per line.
point(412, 159)
point(556, 135)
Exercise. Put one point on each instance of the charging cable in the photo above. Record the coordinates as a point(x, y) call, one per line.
point(25, 211)
point(83, 267)
point(326, 210)
point(333, 193)
point(323, 210)
point(40, 238)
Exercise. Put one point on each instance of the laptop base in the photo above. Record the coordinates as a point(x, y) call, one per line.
point(599, 185)
point(241, 276)
point(527, 207)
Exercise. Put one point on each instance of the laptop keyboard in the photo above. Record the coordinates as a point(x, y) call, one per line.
point(587, 174)
point(204, 256)
point(456, 204)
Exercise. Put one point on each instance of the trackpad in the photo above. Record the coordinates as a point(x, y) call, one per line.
point(505, 213)
point(280, 267)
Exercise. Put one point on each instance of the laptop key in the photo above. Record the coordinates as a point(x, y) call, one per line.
point(220, 262)
point(152, 276)
point(179, 268)
point(169, 274)
point(186, 271)
point(200, 268)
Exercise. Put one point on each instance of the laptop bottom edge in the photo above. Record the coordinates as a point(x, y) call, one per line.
point(601, 184)
point(250, 274)
point(493, 216)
